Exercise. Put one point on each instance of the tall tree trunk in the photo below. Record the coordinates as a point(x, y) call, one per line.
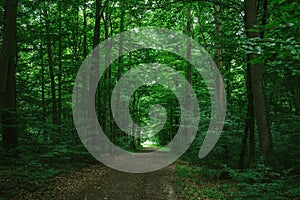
point(228, 85)
point(96, 41)
point(84, 31)
point(107, 79)
point(107, 60)
point(264, 132)
point(218, 33)
point(75, 36)
point(51, 69)
point(244, 144)
point(249, 126)
point(44, 117)
point(96, 38)
point(8, 61)
point(139, 139)
point(188, 32)
point(264, 17)
point(133, 127)
point(189, 46)
point(59, 111)
point(218, 59)
point(120, 60)
point(111, 121)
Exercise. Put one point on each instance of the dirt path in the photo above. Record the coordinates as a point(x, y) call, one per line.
point(117, 185)
point(99, 182)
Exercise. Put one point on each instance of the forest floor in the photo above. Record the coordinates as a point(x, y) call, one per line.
point(98, 182)
point(119, 185)
point(181, 180)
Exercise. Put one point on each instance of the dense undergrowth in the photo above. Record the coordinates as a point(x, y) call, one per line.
point(199, 182)
point(218, 175)
point(37, 165)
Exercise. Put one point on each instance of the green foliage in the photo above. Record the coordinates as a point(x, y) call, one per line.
point(263, 182)
point(36, 168)
point(260, 182)
point(194, 182)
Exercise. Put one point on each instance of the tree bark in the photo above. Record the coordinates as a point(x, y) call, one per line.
point(264, 132)
point(96, 38)
point(219, 52)
point(249, 126)
point(44, 117)
point(8, 61)
point(218, 43)
point(51, 69)
point(120, 60)
point(84, 31)
point(59, 105)
point(96, 41)
point(186, 129)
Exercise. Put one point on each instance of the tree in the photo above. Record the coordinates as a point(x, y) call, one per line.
point(8, 104)
point(51, 66)
point(263, 125)
point(60, 54)
point(249, 125)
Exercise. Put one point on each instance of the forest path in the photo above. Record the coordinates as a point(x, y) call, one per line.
point(117, 185)
point(99, 182)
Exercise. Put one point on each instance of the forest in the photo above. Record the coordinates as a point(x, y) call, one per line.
point(253, 44)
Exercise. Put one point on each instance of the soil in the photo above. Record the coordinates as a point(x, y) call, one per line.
point(98, 182)
point(117, 185)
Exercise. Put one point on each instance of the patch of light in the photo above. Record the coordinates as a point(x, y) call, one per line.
point(196, 20)
point(90, 3)
point(116, 5)
point(147, 143)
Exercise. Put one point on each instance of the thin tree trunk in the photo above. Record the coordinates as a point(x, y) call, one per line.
point(189, 47)
point(75, 38)
point(44, 117)
point(244, 144)
point(186, 129)
point(249, 126)
point(251, 117)
point(228, 86)
point(218, 32)
point(107, 60)
point(107, 77)
point(51, 69)
point(218, 59)
point(111, 121)
point(133, 130)
point(264, 17)
point(59, 111)
point(96, 41)
point(120, 60)
point(84, 31)
point(139, 139)
point(96, 38)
